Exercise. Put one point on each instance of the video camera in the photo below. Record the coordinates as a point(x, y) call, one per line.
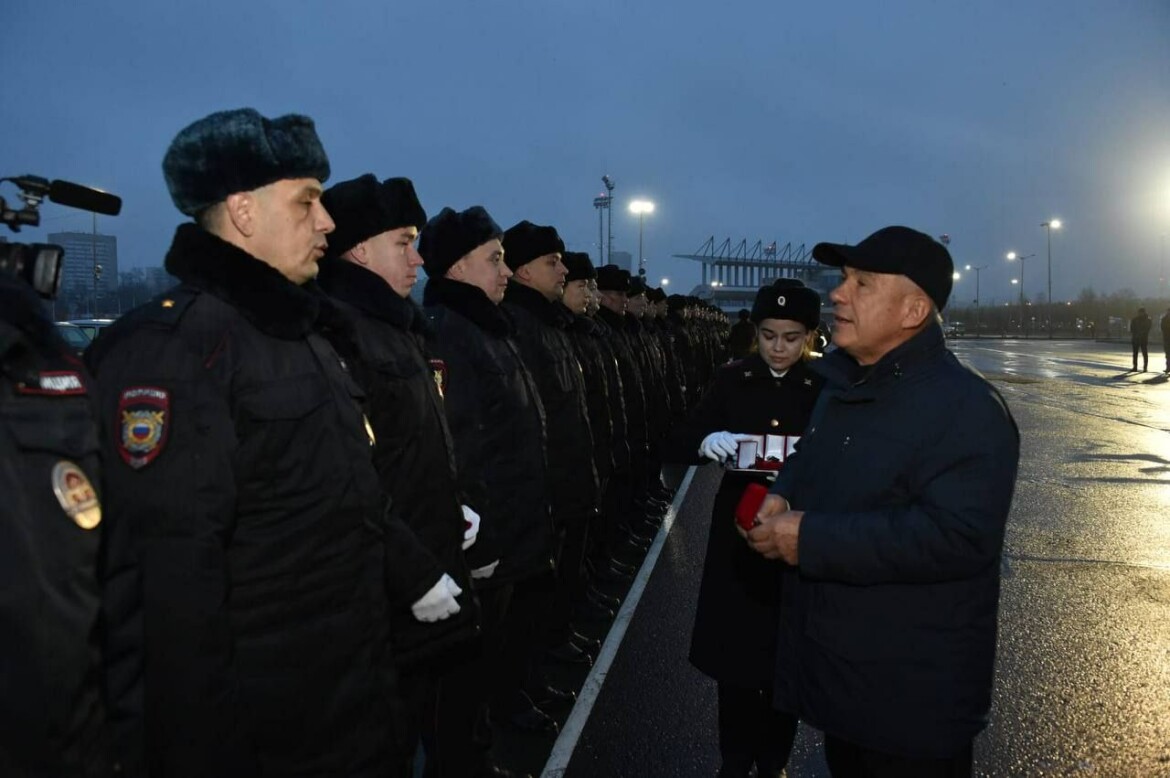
point(39, 264)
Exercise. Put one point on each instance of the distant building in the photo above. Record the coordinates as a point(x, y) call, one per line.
point(624, 260)
point(80, 295)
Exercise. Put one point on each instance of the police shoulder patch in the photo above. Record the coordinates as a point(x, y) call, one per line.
point(143, 421)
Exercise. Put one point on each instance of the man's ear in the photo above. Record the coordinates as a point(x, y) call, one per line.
point(240, 210)
point(915, 310)
point(524, 273)
point(457, 271)
point(360, 254)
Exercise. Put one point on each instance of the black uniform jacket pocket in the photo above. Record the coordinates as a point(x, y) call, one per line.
point(272, 418)
point(64, 428)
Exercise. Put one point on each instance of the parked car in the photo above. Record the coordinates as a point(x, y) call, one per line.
point(92, 327)
point(954, 329)
point(74, 336)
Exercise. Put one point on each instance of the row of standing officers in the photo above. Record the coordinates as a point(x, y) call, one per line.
point(332, 523)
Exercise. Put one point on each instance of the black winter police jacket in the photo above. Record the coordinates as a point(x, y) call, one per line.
point(52, 721)
point(738, 610)
point(413, 451)
point(245, 575)
point(543, 338)
point(632, 379)
point(598, 368)
point(497, 423)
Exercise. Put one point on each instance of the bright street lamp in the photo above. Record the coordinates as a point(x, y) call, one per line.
point(1049, 226)
point(641, 208)
point(977, 316)
point(664, 282)
point(1012, 257)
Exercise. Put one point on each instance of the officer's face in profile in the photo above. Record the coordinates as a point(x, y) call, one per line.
point(393, 256)
point(283, 225)
point(636, 305)
point(781, 342)
point(545, 274)
point(614, 301)
point(873, 313)
point(484, 267)
point(576, 296)
point(593, 301)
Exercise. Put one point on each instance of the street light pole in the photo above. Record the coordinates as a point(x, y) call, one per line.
point(601, 203)
point(609, 207)
point(1049, 226)
point(641, 208)
point(1013, 256)
point(978, 316)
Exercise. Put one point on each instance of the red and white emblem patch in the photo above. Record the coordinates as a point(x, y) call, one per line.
point(439, 373)
point(144, 420)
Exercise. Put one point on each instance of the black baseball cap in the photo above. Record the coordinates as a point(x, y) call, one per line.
point(899, 251)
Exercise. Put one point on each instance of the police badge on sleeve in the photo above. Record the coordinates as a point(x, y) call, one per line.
point(144, 420)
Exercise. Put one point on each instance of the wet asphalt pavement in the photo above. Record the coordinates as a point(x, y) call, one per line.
point(1083, 671)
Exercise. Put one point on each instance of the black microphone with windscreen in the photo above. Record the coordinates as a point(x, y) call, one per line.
point(70, 194)
point(78, 196)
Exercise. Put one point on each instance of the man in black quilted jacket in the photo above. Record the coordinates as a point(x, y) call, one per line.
point(246, 530)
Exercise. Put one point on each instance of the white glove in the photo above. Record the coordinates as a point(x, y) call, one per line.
point(721, 445)
point(486, 571)
point(438, 603)
point(471, 521)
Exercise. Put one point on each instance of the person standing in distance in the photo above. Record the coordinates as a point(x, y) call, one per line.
point(891, 514)
point(245, 590)
point(770, 392)
point(1164, 324)
point(1139, 335)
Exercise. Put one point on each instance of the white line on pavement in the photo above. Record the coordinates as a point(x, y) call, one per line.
point(562, 752)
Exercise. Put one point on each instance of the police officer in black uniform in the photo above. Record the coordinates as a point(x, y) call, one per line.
point(371, 266)
point(251, 553)
point(613, 283)
point(534, 253)
point(497, 422)
point(52, 721)
point(770, 393)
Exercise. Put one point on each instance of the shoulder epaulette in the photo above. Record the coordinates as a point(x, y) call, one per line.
point(163, 312)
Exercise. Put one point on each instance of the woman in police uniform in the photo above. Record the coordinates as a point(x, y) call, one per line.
point(770, 392)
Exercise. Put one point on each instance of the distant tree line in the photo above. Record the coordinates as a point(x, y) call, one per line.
point(135, 287)
point(1092, 315)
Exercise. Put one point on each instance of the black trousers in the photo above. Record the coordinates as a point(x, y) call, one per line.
point(1142, 345)
point(527, 634)
point(571, 580)
point(752, 732)
point(849, 761)
point(462, 736)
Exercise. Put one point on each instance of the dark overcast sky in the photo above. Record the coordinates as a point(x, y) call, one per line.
point(777, 120)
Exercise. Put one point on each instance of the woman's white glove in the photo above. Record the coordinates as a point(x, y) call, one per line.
point(439, 602)
point(471, 527)
point(721, 445)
